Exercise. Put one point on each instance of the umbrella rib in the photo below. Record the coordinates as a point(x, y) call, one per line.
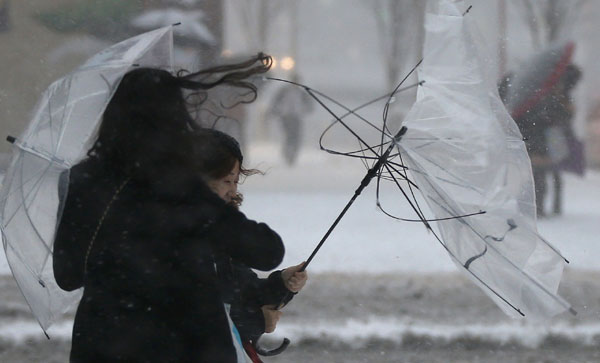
point(552, 247)
point(64, 125)
point(453, 256)
point(419, 212)
point(353, 111)
point(64, 110)
point(42, 155)
point(389, 176)
point(23, 205)
point(50, 118)
point(386, 107)
point(512, 264)
point(410, 201)
point(20, 188)
point(491, 246)
point(428, 226)
point(460, 182)
point(312, 92)
point(340, 121)
point(36, 188)
point(421, 219)
point(25, 295)
point(334, 152)
point(360, 151)
point(406, 177)
point(426, 219)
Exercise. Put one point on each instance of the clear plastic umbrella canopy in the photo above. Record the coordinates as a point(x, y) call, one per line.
point(466, 154)
point(63, 128)
point(462, 152)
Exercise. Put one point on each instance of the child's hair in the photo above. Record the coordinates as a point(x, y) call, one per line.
point(214, 156)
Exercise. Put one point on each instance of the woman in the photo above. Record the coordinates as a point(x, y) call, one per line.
point(138, 231)
point(253, 302)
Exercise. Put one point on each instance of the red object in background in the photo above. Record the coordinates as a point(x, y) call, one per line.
point(545, 87)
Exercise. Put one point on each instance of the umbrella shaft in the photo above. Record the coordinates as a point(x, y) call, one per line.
point(363, 184)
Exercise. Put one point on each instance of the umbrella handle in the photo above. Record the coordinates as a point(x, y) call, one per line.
point(271, 352)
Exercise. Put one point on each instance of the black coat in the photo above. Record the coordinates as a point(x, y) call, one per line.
point(247, 293)
point(150, 288)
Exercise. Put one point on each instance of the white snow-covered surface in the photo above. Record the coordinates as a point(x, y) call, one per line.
point(20, 331)
point(301, 202)
point(361, 331)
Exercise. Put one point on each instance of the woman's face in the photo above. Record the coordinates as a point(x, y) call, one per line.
point(226, 187)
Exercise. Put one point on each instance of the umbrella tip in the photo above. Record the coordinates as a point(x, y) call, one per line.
point(468, 9)
point(178, 23)
point(400, 133)
point(11, 139)
point(573, 311)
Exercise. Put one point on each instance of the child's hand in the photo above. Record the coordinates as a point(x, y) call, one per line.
point(293, 279)
point(271, 317)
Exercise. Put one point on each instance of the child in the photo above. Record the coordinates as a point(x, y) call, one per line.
point(252, 300)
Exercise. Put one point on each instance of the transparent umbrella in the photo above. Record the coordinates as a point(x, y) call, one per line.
point(63, 128)
point(462, 152)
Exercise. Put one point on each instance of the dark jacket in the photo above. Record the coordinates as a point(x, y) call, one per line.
point(247, 293)
point(150, 287)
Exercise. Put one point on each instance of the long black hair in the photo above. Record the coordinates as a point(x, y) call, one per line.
point(147, 123)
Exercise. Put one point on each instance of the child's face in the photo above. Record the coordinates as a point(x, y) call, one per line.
point(226, 187)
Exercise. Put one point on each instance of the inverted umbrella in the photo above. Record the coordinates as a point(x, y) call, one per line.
point(462, 151)
point(533, 98)
point(535, 80)
point(62, 130)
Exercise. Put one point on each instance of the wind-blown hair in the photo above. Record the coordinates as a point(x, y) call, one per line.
point(214, 156)
point(146, 125)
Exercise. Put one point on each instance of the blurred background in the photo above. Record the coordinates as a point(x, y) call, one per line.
point(402, 300)
point(350, 50)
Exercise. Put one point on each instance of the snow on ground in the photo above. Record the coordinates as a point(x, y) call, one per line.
point(301, 202)
point(360, 332)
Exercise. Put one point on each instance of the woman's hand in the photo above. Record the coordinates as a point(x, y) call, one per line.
point(293, 279)
point(271, 317)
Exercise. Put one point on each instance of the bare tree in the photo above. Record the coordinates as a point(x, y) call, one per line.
point(400, 30)
point(550, 20)
point(256, 16)
point(213, 9)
